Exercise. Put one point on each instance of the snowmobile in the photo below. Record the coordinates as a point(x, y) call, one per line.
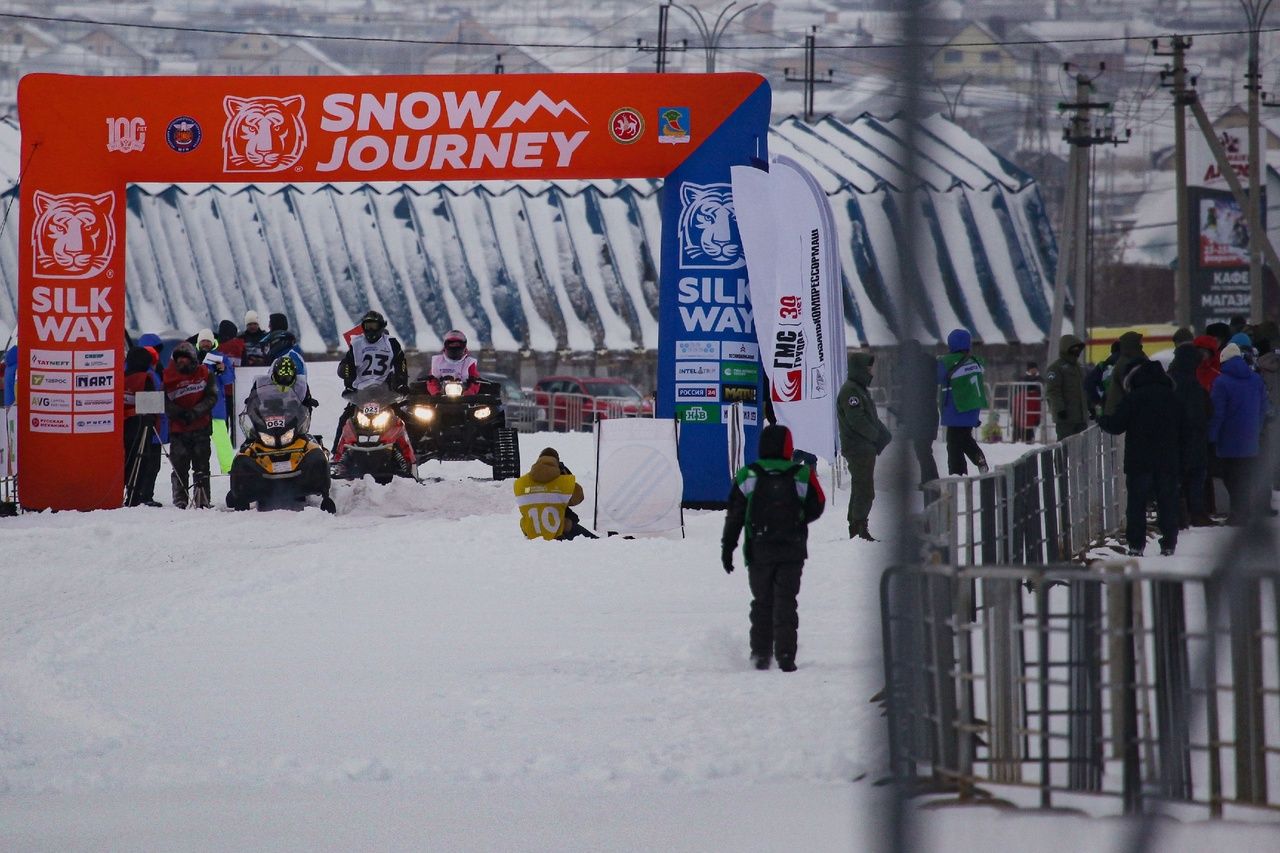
point(279, 465)
point(453, 426)
point(374, 440)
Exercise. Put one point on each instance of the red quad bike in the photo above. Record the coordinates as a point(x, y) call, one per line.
point(374, 440)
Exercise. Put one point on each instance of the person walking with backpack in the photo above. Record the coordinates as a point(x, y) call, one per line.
point(774, 500)
point(863, 437)
point(961, 374)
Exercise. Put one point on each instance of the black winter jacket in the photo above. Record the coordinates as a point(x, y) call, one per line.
point(1151, 417)
point(1195, 405)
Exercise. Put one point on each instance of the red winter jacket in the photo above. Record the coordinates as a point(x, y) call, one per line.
point(195, 392)
point(1209, 368)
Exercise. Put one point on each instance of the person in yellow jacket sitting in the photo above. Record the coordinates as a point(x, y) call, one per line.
point(544, 497)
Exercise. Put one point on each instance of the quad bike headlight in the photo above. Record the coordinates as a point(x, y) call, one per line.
point(453, 389)
point(424, 413)
point(482, 413)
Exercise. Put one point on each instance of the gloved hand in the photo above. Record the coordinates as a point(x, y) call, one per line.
point(726, 559)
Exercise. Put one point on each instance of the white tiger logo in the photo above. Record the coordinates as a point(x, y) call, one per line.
point(262, 134)
point(74, 235)
point(708, 228)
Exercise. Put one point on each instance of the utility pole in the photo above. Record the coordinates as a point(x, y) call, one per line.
point(712, 33)
point(663, 47)
point(810, 78)
point(1255, 11)
point(1175, 78)
point(1073, 254)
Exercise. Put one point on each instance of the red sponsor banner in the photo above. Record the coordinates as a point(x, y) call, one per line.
point(95, 135)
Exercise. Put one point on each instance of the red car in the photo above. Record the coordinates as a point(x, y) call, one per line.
point(576, 402)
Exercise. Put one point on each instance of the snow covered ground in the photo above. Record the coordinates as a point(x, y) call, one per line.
point(412, 674)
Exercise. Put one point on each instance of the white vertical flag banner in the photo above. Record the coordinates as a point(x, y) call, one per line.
point(737, 440)
point(796, 289)
point(9, 441)
point(638, 482)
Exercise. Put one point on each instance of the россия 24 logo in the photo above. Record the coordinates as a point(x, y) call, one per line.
point(262, 134)
point(709, 238)
point(74, 235)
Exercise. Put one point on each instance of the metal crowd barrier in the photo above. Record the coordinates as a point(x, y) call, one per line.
point(563, 412)
point(1049, 505)
point(1072, 680)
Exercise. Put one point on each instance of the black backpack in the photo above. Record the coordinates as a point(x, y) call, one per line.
point(776, 512)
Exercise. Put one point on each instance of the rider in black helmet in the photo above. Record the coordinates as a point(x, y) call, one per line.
point(373, 358)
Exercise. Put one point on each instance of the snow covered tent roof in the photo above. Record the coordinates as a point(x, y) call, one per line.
point(569, 265)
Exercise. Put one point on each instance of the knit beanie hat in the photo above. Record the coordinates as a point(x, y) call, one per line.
point(1229, 352)
point(1241, 340)
point(250, 317)
point(206, 335)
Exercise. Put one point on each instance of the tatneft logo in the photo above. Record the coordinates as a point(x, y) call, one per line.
point(50, 423)
point(95, 359)
point(262, 133)
point(41, 381)
point(95, 381)
point(50, 359)
point(708, 228)
point(739, 351)
point(46, 402)
point(448, 130)
point(73, 234)
point(126, 134)
point(689, 370)
point(697, 392)
point(95, 423)
point(697, 349)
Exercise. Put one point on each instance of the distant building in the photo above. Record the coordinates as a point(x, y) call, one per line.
point(242, 54)
point(20, 41)
point(123, 55)
point(974, 52)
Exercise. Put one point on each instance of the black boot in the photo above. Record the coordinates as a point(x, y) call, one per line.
point(786, 664)
point(859, 530)
point(760, 661)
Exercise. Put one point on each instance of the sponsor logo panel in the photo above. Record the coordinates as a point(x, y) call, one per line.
point(696, 413)
point(709, 393)
point(55, 381)
point(739, 351)
point(95, 423)
point(51, 359)
point(262, 133)
point(708, 228)
point(183, 134)
point(95, 359)
point(126, 134)
point(43, 401)
point(673, 125)
point(626, 125)
point(73, 234)
point(105, 381)
point(744, 373)
point(697, 349)
point(694, 370)
point(50, 423)
point(739, 394)
point(95, 402)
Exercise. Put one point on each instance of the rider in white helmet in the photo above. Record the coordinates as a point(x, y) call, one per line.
point(454, 362)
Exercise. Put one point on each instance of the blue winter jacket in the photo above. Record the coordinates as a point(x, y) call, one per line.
point(227, 376)
point(1239, 404)
point(958, 341)
point(10, 374)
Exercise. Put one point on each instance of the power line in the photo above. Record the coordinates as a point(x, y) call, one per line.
point(901, 45)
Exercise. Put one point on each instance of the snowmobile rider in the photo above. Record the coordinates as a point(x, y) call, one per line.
point(454, 362)
point(190, 392)
point(283, 382)
point(374, 358)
